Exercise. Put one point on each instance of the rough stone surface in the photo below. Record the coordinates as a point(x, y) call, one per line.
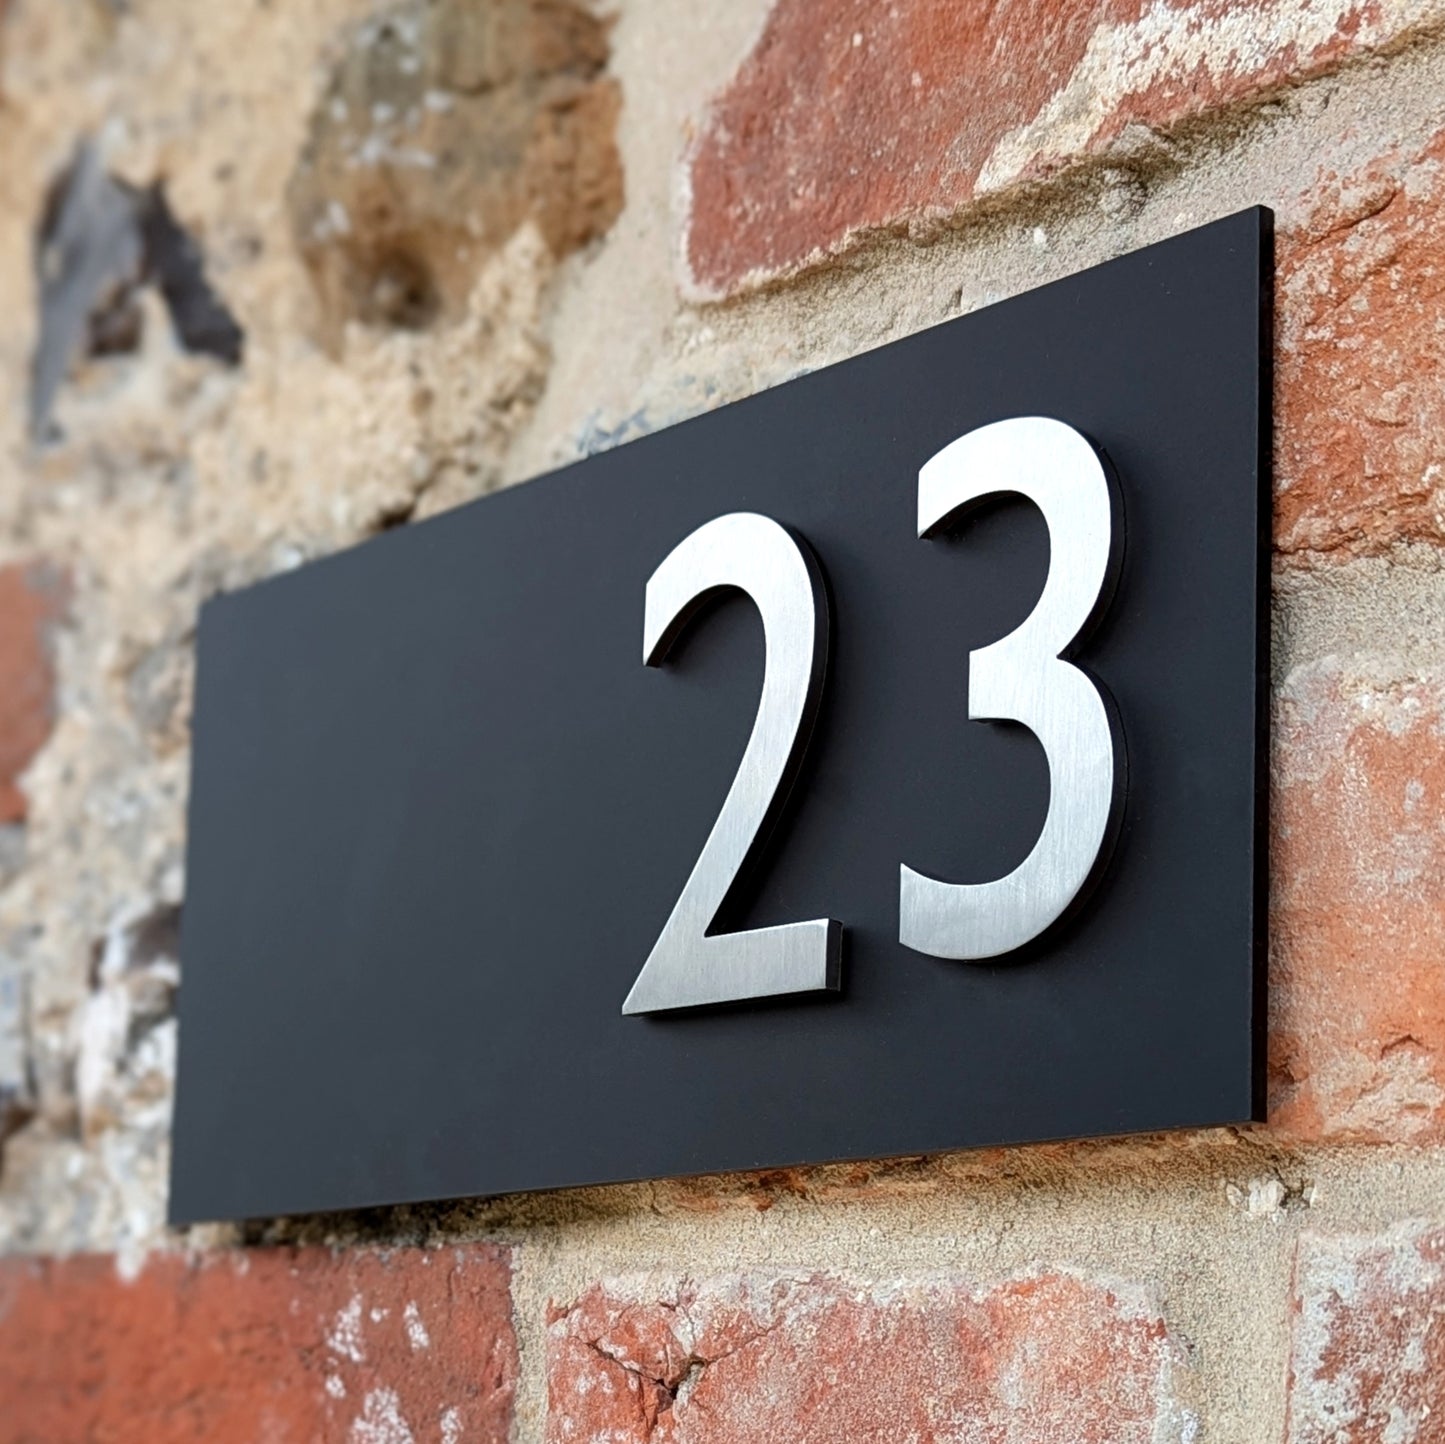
point(855, 117)
point(1358, 1025)
point(1051, 1359)
point(1361, 419)
point(1367, 1362)
point(32, 599)
point(174, 476)
point(444, 127)
point(406, 1347)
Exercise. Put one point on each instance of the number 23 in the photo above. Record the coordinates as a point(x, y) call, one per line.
point(1024, 677)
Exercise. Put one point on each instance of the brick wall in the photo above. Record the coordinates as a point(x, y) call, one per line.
point(620, 217)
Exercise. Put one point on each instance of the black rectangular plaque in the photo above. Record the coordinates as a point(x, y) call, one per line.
point(441, 810)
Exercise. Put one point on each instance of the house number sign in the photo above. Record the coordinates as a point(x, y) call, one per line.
point(928, 816)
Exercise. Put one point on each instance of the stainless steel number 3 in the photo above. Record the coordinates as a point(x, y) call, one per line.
point(1024, 678)
point(686, 967)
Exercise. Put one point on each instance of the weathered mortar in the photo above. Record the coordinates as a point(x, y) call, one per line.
point(176, 477)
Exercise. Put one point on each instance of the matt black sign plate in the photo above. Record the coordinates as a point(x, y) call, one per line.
point(441, 810)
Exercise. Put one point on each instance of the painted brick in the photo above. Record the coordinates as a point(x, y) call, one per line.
point(289, 1346)
point(32, 598)
point(1052, 1359)
point(1361, 363)
point(1358, 1028)
point(1367, 1361)
point(849, 116)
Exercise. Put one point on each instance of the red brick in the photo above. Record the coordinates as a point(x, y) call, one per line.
point(289, 1346)
point(1361, 368)
point(1367, 1362)
point(1357, 1040)
point(1051, 1359)
point(851, 116)
point(32, 598)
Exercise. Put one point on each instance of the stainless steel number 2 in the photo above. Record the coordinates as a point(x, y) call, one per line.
point(686, 967)
point(1023, 678)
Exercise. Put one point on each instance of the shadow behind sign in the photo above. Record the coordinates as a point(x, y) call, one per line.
point(441, 810)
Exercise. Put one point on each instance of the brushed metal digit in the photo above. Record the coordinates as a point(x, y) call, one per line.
point(687, 968)
point(1024, 678)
